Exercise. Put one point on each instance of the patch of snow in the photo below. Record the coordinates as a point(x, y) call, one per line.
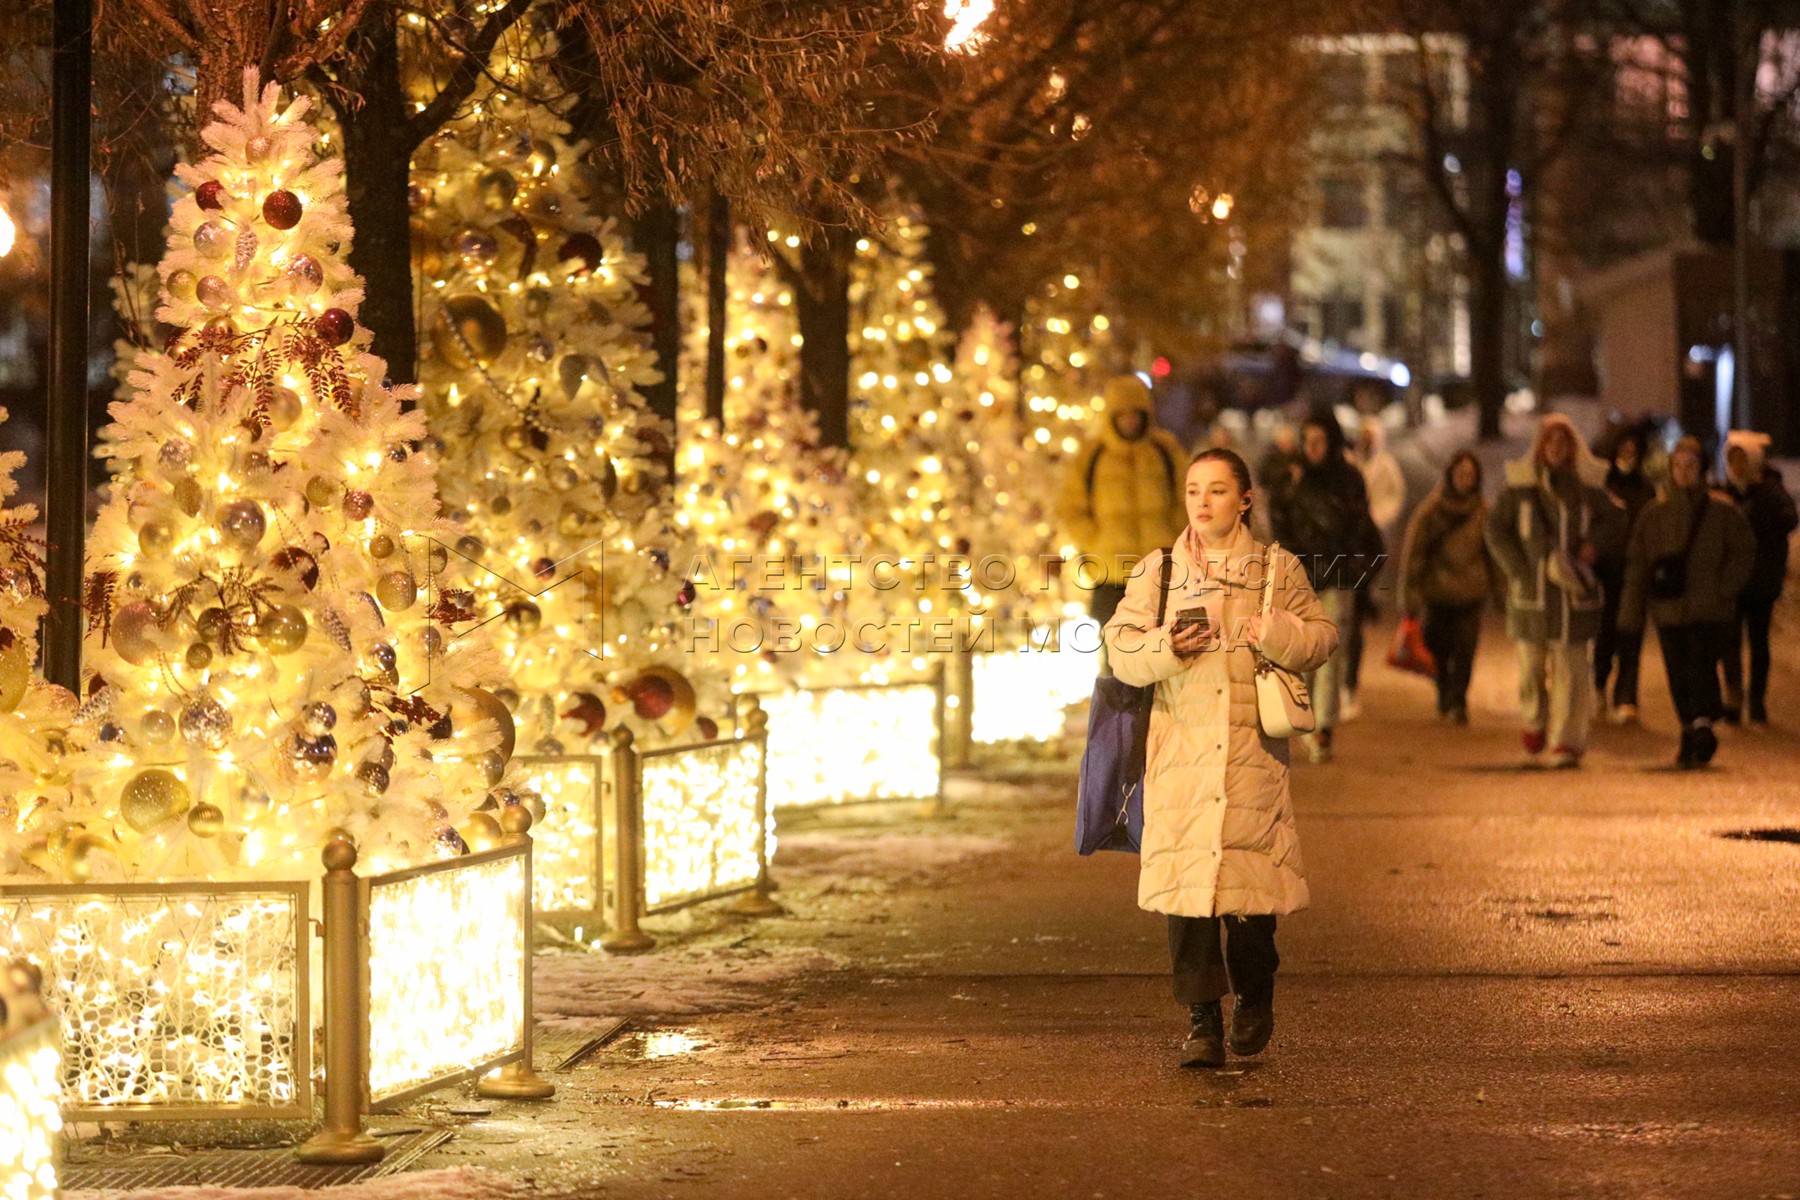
point(569, 990)
point(887, 856)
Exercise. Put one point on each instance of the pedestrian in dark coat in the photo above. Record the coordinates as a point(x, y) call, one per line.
point(1324, 520)
point(1547, 530)
point(1761, 495)
point(1627, 483)
point(1447, 577)
point(1691, 554)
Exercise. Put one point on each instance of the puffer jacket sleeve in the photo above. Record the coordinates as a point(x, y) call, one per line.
point(1420, 532)
point(1503, 539)
point(1074, 505)
point(1138, 651)
point(1636, 594)
point(1299, 636)
point(1740, 552)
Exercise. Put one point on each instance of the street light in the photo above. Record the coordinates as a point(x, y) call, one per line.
point(966, 19)
point(8, 232)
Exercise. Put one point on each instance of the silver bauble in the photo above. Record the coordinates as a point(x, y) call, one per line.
point(213, 239)
point(205, 723)
point(214, 292)
point(305, 275)
point(241, 523)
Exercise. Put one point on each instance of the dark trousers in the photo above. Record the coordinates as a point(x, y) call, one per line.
point(1215, 955)
point(1691, 655)
point(1452, 632)
point(1614, 645)
point(1353, 641)
point(1752, 625)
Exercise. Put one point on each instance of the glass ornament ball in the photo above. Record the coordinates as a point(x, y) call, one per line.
point(490, 707)
point(205, 820)
point(437, 558)
point(334, 326)
point(134, 630)
point(152, 797)
point(210, 196)
point(318, 718)
point(205, 723)
point(213, 238)
point(305, 275)
point(524, 616)
point(358, 504)
point(189, 496)
point(584, 247)
point(156, 537)
point(199, 656)
point(707, 728)
point(544, 203)
point(500, 505)
point(259, 464)
point(381, 546)
point(418, 197)
point(572, 372)
point(542, 349)
point(564, 477)
point(156, 726)
point(285, 407)
point(296, 566)
point(322, 492)
point(242, 523)
point(477, 248)
point(434, 641)
point(79, 853)
point(282, 209)
point(258, 149)
point(253, 800)
point(310, 759)
point(220, 326)
point(491, 766)
point(542, 156)
point(181, 284)
point(374, 777)
point(383, 662)
point(544, 568)
point(396, 590)
point(481, 833)
point(468, 331)
point(652, 696)
point(282, 630)
point(214, 292)
point(497, 189)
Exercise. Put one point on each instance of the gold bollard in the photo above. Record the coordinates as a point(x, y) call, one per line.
point(959, 701)
point(623, 935)
point(341, 1141)
point(757, 902)
point(517, 1080)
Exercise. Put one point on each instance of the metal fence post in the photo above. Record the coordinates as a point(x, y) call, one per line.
point(624, 788)
point(959, 704)
point(342, 1139)
point(518, 1080)
point(758, 902)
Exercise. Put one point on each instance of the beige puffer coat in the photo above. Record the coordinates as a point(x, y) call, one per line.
point(1219, 833)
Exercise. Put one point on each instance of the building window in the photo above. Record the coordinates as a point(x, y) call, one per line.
point(1343, 79)
point(1344, 204)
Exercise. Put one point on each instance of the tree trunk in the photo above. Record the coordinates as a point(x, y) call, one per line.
point(378, 150)
point(718, 261)
point(658, 239)
point(822, 297)
point(1487, 336)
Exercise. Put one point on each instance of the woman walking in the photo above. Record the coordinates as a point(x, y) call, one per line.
point(1447, 576)
point(1627, 483)
point(1691, 554)
point(1221, 856)
point(1762, 496)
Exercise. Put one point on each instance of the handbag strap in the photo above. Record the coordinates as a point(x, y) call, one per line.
point(1268, 592)
point(1162, 586)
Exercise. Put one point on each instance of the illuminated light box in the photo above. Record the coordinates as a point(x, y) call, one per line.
point(176, 1000)
point(30, 1083)
point(448, 947)
point(1022, 695)
point(864, 742)
point(704, 821)
point(566, 867)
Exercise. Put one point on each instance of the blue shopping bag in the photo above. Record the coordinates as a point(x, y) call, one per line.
point(1109, 802)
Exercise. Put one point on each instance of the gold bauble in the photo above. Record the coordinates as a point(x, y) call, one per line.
point(156, 537)
point(285, 407)
point(189, 496)
point(481, 832)
point(282, 630)
point(156, 726)
point(78, 855)
point(492, 766)
point(468, 331)
point(15, 674)
point(396, 590)
point(525, 617)
point(380, 546)
point(490, 707)
point(152, 797)
point(205, 820)
point(322, 492)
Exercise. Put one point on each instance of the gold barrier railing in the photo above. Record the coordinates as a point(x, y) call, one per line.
point(632, 832)
point(858, 742)
point(30, 1087)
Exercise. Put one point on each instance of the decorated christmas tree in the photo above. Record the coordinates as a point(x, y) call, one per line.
point(1069, 352)
point(34, 715)
point(561, 497)
point(770, 509)
point(272, 646)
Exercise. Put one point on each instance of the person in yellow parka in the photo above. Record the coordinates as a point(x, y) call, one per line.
point(1121, 494)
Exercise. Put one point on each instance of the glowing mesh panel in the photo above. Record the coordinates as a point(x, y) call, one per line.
point(30, 1073)
point(1020, 695)
point(832, 745)
point(700, 821)
point(565, 845)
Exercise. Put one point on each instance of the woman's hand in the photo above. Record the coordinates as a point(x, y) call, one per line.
point(1253, 630)
point(1192, 640)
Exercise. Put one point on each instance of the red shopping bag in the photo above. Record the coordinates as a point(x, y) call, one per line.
point(1408, 653)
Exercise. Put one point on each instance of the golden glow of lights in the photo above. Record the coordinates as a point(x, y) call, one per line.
point(174, 998)
point(8, 235)
point(30, 1122)
point(833, 745)
point(700, 821)
point(447, 958)
point(1022, 695)
point(565, 845)
point(967, 17)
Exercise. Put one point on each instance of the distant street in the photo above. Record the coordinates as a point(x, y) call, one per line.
point(1512, 984)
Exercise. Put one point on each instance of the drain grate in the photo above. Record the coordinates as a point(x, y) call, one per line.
point(245, 1168)
point(1790, 836)
point(569, 1049)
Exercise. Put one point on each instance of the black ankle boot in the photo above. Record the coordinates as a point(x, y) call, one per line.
point(1706, 744)
point(1685, 758)
point(1205, 1045)
point(1252, 1023)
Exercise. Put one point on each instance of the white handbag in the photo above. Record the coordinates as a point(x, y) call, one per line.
point(1283, 704)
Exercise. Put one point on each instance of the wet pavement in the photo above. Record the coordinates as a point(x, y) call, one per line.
point(1512, 983)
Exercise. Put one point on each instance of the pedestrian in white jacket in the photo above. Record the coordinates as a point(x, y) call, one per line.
point(1221, 856)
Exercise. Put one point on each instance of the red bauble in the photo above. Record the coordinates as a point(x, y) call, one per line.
point(335, 326)
point(584, 246)
point(589, 712)
point(651, 697)
point(709, 728)
point(544, 568)
point(210, 195)
point(281, 209)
